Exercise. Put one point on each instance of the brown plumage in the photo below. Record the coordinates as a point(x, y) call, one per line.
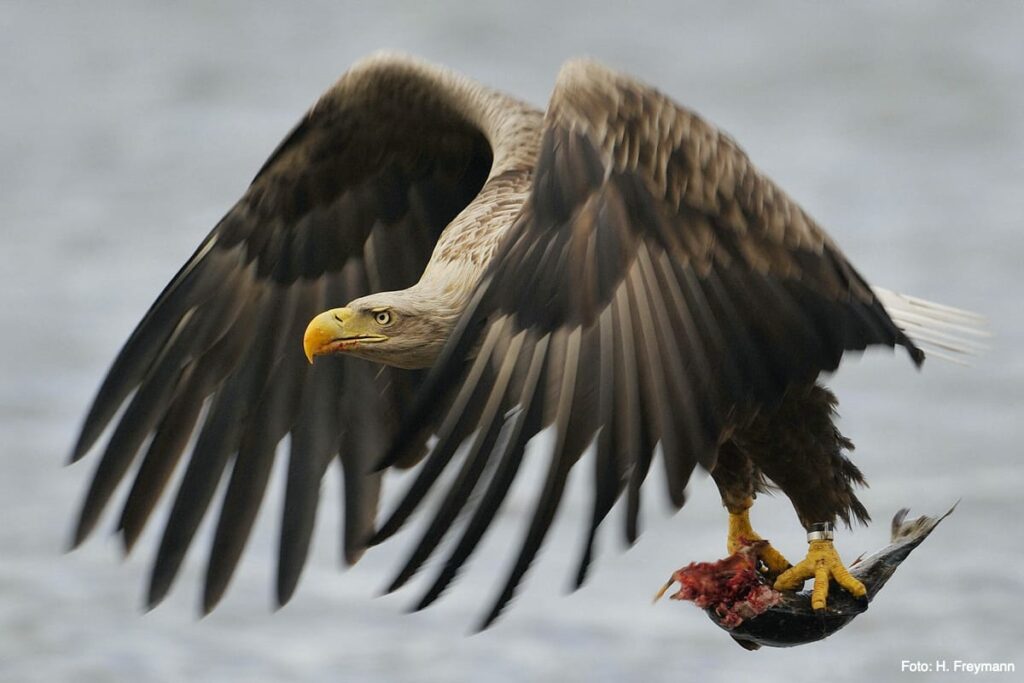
point(797, 447)
point(616, 268)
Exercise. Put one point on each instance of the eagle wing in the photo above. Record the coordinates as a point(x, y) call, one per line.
point(350, 203)
point(654, 288)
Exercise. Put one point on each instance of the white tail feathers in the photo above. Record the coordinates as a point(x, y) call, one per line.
point(941, 331)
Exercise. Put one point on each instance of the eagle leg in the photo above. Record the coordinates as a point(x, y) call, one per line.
point(821, 564)
point(741, 534)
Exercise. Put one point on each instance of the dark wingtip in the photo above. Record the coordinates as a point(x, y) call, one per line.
point(88, 517)
point(83, 528)
point(429, 598)
point(83, 444)
point(387, 591)
point(289, 572)
point(77, 453)
point(210, 600)
point(214, 587)
point(581, 577)
point(127, 542)
point(386, 531)
point(158, 589)
point(632, 533)
point(399, 581)
point(286, 585)
point(915, 353)
point(918, 357)
point(77, 537)
point(129, 536)
point(487, 621)
point(585, 560)
point(351, 555)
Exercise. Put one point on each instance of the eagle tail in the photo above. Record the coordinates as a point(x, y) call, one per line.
point(942, 331)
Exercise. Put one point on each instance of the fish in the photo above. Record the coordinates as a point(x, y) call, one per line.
point(763, 617)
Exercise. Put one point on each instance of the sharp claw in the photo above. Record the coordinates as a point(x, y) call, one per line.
point(846, 580)
point(853, 587)
point(822, 564)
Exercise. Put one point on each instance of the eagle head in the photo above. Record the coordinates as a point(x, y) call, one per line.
point(393, 328)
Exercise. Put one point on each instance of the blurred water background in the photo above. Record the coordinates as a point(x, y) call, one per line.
point(127, 130)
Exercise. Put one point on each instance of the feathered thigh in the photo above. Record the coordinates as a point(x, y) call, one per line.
point(797, 448)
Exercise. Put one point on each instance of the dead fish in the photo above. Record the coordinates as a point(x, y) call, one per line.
point(787, 619)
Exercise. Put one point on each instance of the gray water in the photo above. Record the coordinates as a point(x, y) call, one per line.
point(127, 131)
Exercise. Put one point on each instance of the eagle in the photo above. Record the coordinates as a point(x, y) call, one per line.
point(468, 272)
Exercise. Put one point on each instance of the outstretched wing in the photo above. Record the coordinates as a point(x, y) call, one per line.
point(351, 202)
point(655, 288)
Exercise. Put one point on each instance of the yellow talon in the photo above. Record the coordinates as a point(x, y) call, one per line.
point(822, 562)
point(740, 533)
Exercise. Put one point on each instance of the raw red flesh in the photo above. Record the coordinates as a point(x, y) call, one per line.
point(732, 587)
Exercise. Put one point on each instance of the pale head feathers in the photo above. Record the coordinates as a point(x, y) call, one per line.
point(422, 316)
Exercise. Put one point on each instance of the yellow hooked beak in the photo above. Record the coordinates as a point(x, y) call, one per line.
point(339, 330)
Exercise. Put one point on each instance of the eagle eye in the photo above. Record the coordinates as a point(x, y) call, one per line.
point(382, 317)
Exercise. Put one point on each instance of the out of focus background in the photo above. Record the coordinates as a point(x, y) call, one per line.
point(129, 128)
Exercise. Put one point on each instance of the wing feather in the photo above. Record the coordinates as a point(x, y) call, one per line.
point(607, 467)
point(680, 289)
point(450, 435)
point(558, 471)
point(472, 467)
point(525, 421)
point(351, 202)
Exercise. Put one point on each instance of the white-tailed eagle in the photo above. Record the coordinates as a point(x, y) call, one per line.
point(614, 268)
